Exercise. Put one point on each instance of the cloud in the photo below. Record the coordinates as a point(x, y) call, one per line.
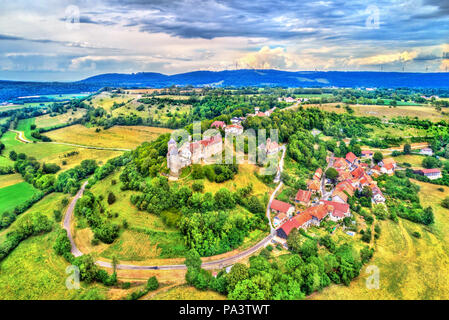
point(384, 58)
point(267, 58)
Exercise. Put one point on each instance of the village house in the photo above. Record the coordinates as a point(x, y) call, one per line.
point(279, 219)
point(340, 210)
point(270, 148)
point(314, 186)
point(426, 152)
point(303, 197)
point(351, 158)
point(318, 174)
point(432, 174)
point(388, 166)
point(340, 163)
point(278, 207)
point(234, 129)
point(310, 216)
point(378, 196)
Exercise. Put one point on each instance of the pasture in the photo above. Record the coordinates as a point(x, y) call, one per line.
point(186, 292)
point(48, 121)
point(10, 179)
point(25, 126)
point(126, 137)
point(387, 112)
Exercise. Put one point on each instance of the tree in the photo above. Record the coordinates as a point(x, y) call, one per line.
point(378, 157)
point(152, 283)
point(198, 186)
point(111, 198)
point(13, 155)
point(239, 272)
point(431, 162)
point(331, 173)
point(193, 259)
point(308, 249)
point(407, 148)
point(445, 203)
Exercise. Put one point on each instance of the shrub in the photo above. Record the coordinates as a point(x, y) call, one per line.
point(416, 234)
point(152, 283)
point(111, 198)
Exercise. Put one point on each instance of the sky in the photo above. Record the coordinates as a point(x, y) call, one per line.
point(49, 40)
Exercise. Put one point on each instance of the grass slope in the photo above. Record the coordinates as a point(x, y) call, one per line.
point(13, 195)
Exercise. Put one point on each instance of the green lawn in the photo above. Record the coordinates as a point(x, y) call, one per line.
point(4, 161)
point(16, 194)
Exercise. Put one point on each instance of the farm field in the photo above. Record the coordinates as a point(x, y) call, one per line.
point(25, 126)
point(47, 121)
point(414, 159)
point(4, 161)
point(186, 292)
point(395, 131)
point(13, 195)
point(10, 179)
point(115, 137)
point(400, 258)
point(34, 271)
point(422, 112)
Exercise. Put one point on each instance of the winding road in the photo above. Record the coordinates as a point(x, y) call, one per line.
point(20, 136)
point(216, 264)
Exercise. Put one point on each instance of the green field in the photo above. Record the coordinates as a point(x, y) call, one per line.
point(14, 195)
point(4, 161)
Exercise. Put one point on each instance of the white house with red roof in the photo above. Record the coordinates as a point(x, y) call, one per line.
point(340, 210)
point(367, 154)
point(218, 125)
point(234, 129)
point(278, 206)
point(303, 197)
point(432, 174)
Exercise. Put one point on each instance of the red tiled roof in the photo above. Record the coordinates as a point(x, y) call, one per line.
point(280, 206)
point(343, 196)
point(303, 196)
point(367, 152)
point(302, 218)
point(357, 173)
point(281, 216)
point(430, 171)
point(341, 207)
point(351, 157)
point(319, 211)
point(289, 226)
point(314, 185)
point(218, 124)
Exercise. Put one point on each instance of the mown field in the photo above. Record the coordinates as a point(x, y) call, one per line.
point(25, 126)
point(387, 112)
point(13, 195)
point(48, 121)
point(410, 268)
point(115, 137)
point(186, 292)
point(10, 179)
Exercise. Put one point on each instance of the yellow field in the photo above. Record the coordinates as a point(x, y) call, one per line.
point(186, 292)
point(395, 131)
point(46, 121)
point(10, 179)
point(421, 112)
point(414, 159)
point(105, 101)
point(410, 268)
point(116, 137)
point(244, 177)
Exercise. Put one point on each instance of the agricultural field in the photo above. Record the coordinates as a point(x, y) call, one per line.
point(116, 137)
point(25, 126)
point(185, 292)
point(410, 268)
point(48, 121)
point(395, 131)
point(387, 112)
point(10, 179)
point(4, 161)
point(13, 195)
point(414, 159)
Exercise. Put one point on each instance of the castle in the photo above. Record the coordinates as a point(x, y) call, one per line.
point(192, 152)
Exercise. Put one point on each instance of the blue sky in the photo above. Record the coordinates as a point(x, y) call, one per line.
point(71, 40)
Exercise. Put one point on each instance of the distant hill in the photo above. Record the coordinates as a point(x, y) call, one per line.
point(230, 78)
point(246, 77)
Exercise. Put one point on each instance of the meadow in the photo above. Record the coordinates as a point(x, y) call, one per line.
point(126, 137)
point(13, 195)
point(10, 179)
point(25, 126)
point(387, 112)
point(48, 121)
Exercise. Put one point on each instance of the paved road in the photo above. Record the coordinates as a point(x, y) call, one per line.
point(68, 218)
point(20, 136)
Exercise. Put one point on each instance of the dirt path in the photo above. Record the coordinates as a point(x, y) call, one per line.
point(20, 136)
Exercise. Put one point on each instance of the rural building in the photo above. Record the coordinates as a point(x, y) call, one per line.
point(282, 207)
point(303, 197)
point(367, 154)
point(340, 210)
point(314, 186)
point(378, 197)
point(318, 174)
point(270, 148)
point(234, 129)
point(426, 152)
point(279, 219)
point(351, 158)
point(388, 166)
point(432, 174)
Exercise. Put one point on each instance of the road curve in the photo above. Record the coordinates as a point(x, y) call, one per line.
point(20, 136)
point(220, 263)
